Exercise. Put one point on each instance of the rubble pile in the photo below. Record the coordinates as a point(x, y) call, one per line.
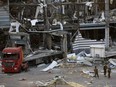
point(59, 82)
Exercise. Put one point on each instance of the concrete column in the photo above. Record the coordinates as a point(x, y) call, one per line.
point(48, 36)
point(64, 47)
point(107, 24)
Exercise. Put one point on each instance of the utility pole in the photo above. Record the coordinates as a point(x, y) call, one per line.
point(107, 24)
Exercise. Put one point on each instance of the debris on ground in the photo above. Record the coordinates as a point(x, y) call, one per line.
point(69, 65)
point(51, 66)
point(87, 72)
point(112, 63)
point(81, 58)
point(71, 57)
point(22, 79)
point(74, 84)
point(2, 85)
point(57, 81)
point(36, 84)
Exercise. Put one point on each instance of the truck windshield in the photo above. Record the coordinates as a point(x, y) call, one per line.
point(10, 56)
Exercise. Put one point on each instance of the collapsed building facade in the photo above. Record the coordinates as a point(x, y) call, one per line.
point(82, 23)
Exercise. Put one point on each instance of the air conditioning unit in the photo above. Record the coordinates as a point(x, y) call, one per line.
point(97, 50)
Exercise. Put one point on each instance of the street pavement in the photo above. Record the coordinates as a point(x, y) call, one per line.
point(70, 73)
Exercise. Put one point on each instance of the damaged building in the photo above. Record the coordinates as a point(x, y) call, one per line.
point(57, 43)
point(82, 23)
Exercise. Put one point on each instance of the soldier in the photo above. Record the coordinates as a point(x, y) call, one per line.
point(109, 72)
point(96, 72)
point(105, 69)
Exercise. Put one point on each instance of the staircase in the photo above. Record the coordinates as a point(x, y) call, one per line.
point(4, 17)
point(81, 43)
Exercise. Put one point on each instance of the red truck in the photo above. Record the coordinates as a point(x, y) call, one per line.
point(12, 59)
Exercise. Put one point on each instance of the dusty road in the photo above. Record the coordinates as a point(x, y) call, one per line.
point(73, 74)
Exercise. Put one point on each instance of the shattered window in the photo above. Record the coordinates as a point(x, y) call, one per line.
point(10, 56)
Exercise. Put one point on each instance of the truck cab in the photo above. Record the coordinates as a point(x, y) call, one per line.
point(12, 58)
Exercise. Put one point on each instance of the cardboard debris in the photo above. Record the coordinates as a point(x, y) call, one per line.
point(73, 84)
point(69, 65)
